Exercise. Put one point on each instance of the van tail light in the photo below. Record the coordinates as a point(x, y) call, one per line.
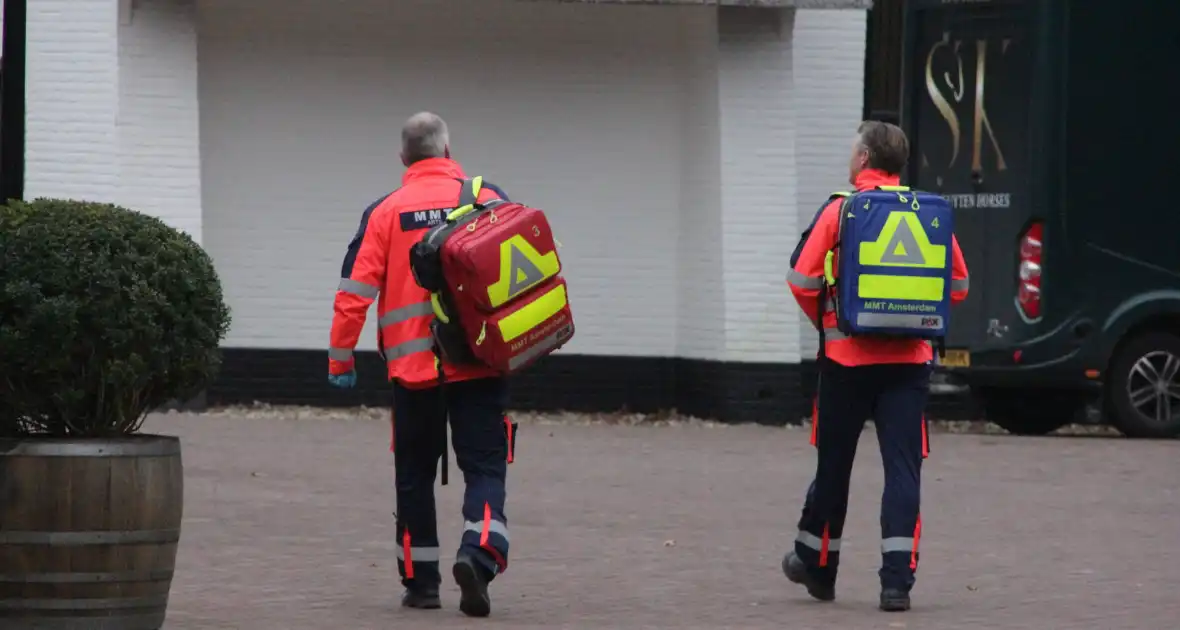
point(1028, 280)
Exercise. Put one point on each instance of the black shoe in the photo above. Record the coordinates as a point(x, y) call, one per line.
point(473, 600)
point(894, 600)
point(424, 598)
point(797, 572)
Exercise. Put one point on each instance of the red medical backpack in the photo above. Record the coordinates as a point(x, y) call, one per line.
point(493, 273)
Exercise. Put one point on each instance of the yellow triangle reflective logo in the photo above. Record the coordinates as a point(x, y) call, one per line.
point(903, 242)
point(521, 268)
point(528, 273)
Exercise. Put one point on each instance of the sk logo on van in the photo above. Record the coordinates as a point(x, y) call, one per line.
point(903, 243)
point(521, 268)
point(953, 86)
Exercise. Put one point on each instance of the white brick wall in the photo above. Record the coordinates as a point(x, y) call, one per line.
point(159, 139)
point(829, 88)
point(72, 100)
point(700, 322)
point(758, 215)
point(575, 108)
point(769, 108)
point(112, 108)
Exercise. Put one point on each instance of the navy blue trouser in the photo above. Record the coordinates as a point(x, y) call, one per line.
point(894, 396)
point(480, 438)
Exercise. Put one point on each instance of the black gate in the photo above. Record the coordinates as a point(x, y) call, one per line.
point(883, 59)
point(12, 102)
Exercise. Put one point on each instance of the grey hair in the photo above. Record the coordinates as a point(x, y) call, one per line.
point(424, 136)
point(887, 145)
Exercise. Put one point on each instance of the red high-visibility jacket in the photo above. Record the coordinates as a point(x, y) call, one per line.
point(808, 273)
point(377, 267)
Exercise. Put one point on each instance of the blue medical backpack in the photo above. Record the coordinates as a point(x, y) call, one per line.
point(891, 266)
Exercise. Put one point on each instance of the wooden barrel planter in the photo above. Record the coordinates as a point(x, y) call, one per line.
point(88, 532)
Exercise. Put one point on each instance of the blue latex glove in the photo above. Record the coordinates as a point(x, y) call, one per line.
point(343, 381)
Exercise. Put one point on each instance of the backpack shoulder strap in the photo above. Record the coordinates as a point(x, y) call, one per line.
point(807, 232)
point(842, 210)
point(468, 197)
point(847, 196)
point(469, 193)
point(829, 276)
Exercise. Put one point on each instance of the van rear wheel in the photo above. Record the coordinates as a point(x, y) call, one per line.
point(1142, 397)
point(1030, 411)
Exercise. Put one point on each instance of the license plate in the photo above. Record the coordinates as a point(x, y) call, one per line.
point(954, 359)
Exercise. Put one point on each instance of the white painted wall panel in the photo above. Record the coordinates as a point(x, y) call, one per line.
point(679, 151)
point(574, 108)
point(829, 83)
point(158, 133)
point(758, 183)
point(72, 100)
point(112, 106)
point(700, 323)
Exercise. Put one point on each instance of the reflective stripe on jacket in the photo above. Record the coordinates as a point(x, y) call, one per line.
point(806, 282)
point(377, 267)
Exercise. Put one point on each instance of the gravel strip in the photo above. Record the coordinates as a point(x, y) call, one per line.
point(662, 419)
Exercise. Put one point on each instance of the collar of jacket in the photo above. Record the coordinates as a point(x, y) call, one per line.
point(433, 167)
point(871, 177)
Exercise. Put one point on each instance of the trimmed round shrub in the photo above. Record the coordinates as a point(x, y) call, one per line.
point(105, 315)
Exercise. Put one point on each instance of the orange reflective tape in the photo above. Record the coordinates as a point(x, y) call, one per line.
point(823, 547)
point(487, 525)
point(409, 559)
point(925, 439)
point(508, 432)
point(917, 537)
point(483, 539)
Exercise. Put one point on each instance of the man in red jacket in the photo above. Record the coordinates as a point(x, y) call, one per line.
point(377, 267)
point(862, 377)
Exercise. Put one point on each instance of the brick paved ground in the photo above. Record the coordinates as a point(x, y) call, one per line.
point(287, 527)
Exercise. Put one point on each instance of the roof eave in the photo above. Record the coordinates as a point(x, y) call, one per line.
point(769, 4)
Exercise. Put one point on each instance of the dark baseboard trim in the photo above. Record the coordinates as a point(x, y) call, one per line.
point(763, 393)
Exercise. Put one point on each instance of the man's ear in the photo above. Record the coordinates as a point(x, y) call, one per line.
point(403, 157)
point(447, 151)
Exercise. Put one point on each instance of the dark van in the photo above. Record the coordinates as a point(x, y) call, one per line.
point(1052, 127)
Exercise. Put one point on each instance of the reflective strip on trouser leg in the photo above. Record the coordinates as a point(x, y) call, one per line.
point(905, 544)
point(481, 450)
point(490, 534)
point(826, 547)
point(416, 560)
point(841, 407)
point(903, 443)
point(416, 540)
